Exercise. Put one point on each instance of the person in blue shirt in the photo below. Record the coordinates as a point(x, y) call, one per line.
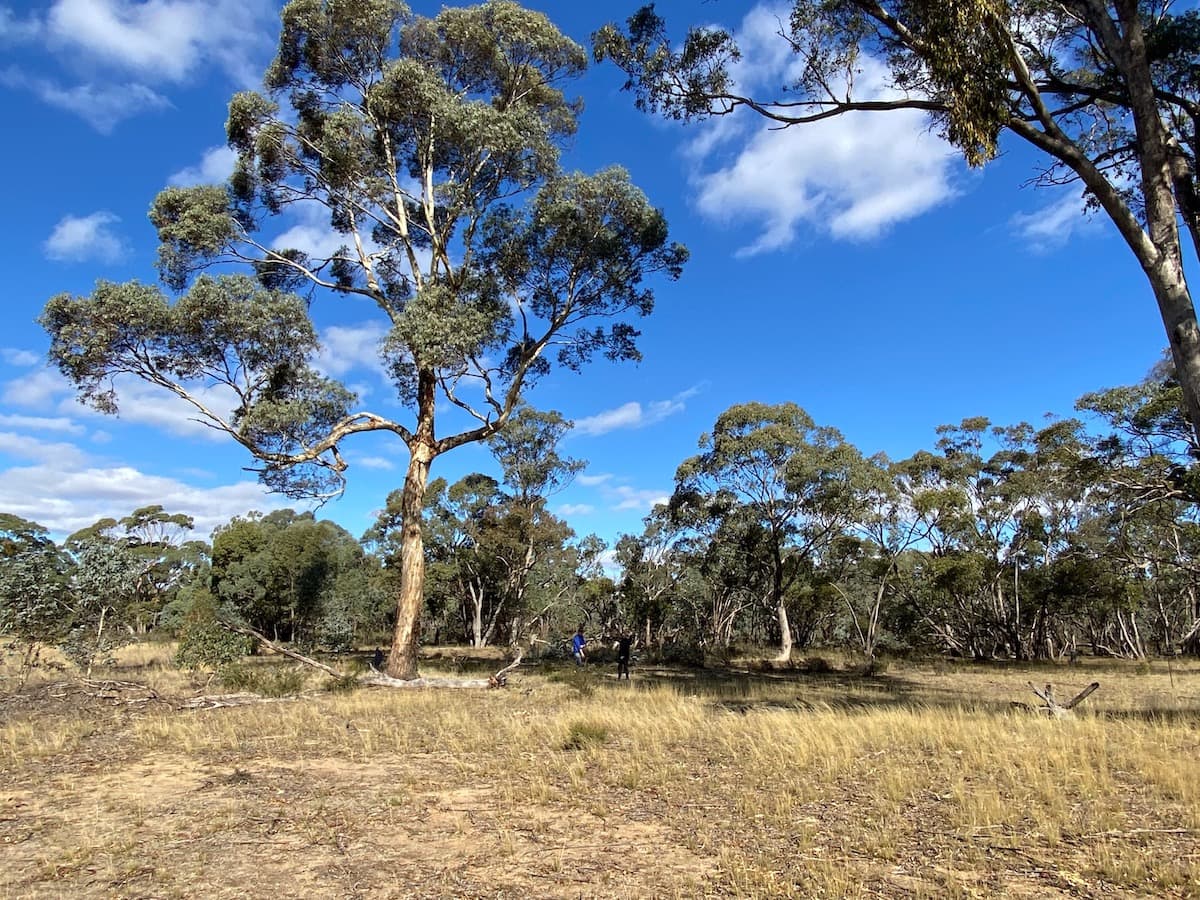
point(579, 647)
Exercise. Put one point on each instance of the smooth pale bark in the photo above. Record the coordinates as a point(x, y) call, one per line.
point(1164, 268)
point(785, 632)
point(402, 659)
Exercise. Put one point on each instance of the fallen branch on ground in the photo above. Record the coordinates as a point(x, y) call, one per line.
point(279, 648)
point(500, 679)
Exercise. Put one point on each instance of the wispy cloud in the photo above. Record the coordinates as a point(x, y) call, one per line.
point(346, 347)
point(103, 106)
point(42, 423)
point(375, 462)
point(14, 30)
point(85, 238)
point(1055, 224)
point(215, 167)
point(633, 414)
point(619, 496)
point(22, 446)
point(130, 48)
point(162, 39)
point(16, 357)
point(138, 401)
point(576, 509)
point(852, 177)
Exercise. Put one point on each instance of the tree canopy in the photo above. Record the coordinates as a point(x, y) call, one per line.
point(1108, 91)
point(432, 148)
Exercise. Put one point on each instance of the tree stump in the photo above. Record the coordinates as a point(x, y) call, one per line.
point(1062, 710)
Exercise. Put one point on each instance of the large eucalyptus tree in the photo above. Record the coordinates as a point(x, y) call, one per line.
point(432, 145)
point(1108, 90)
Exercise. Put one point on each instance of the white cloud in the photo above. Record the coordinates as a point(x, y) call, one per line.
point(42, 423)
point(620, 497)
point(346, 347)
point(633, 414)
point(851, 176)
point(214, 167)
point(576, 509)
point(138, 402)
point(65, 494)
point(626, 497)
point(103, 106)
point(164, 39)
point(37, 390)
point(147, 404)
point(154, 41)
point(22, 446)
point(83, 238)
point(312, 233)
point(628, 415)
point(15, 357)
point(375, 462)
point(1055, 224)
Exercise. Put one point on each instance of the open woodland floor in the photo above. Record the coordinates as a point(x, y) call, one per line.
point(919, 782)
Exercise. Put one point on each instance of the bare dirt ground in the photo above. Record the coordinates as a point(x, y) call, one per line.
point(919, 783)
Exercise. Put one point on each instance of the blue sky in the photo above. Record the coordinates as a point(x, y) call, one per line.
point(857, 268)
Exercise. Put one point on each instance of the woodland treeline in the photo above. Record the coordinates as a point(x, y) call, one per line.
point(1079, 536)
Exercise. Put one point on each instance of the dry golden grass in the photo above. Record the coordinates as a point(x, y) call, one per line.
point(922, 782)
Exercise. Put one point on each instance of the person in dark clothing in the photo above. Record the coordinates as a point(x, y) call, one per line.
point(378, 660)
point(624, 643)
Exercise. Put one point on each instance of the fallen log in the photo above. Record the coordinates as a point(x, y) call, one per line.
point(377, 678)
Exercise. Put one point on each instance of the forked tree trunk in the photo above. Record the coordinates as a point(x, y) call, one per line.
point(402, 660)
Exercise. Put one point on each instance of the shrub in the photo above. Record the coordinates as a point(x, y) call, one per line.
point(581, 735)
point(203, 643)
point(267, 681)
point(817, 665)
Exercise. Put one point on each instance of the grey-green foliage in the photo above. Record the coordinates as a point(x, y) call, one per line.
point(202, 642)
point(35, 602)
point(432, 145)
point(89, 596)
point(1108, 92)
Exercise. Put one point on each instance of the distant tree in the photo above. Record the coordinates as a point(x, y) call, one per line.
point(802, 483)
point(35, 601)
point(652, 565)
point(432, 145)
point(486, 537)
point(280, 573)
point(1109, 91)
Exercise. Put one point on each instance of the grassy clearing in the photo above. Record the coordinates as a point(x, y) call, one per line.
point(921, 782)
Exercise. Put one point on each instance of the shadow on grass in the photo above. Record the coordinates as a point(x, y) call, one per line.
point(741, 691)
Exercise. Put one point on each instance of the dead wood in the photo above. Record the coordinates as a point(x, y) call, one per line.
point(500, 679)
point(285, 651)
point(221, 701)
point(1061, 710)
point(377, 678)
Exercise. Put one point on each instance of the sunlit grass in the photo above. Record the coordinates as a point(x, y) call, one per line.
point(772, 784)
